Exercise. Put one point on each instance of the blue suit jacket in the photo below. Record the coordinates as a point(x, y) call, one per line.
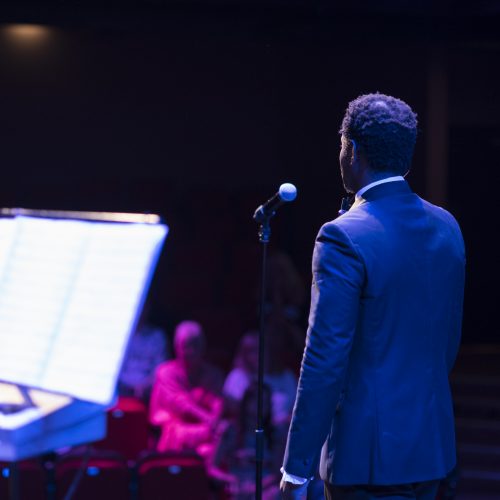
point(384, 330)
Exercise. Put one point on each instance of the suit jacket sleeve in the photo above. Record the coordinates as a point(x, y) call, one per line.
point(338, 276)
point(457, 296)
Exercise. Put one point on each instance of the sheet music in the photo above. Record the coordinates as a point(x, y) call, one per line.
point(7, 231)
point(69, 294)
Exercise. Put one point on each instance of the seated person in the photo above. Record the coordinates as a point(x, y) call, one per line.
point(280, 379)
point(147, 349)
point(186, 400)
point(244, 371)
point(240, 453)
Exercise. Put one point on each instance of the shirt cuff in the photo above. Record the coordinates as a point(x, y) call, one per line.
point(291, 478)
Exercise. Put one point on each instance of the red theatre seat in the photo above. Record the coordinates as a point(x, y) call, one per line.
point(105, 477)
point(172, 475)
point(127, 429)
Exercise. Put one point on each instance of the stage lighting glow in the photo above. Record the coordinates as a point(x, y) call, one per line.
point(32, 40)
point(27, 33)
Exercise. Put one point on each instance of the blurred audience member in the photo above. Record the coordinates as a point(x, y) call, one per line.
point(281, 380)
point(285, 291)
point(187, 402)
point(244, 371)
point(147, 349)
point(240, 456)
point(285, 301)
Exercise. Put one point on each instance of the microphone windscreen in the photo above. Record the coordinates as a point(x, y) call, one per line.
point(288, 192)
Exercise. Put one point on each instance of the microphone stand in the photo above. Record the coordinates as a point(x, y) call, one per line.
point(264, 237)
point(262, 216)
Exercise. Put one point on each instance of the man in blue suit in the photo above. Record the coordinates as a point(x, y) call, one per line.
point(384, 326)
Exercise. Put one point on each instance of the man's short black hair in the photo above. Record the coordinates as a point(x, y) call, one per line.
point(385, 130)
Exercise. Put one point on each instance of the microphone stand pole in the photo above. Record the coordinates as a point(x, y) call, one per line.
point(264, 237)
point(262, 216)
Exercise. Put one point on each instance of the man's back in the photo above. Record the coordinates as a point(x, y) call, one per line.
point(384, 324)
point(395, 421)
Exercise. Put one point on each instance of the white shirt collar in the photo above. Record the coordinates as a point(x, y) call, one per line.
point(376, 183)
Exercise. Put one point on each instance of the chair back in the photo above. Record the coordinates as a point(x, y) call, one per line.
point(105, 476)
point(127, 429)
point(172, 475)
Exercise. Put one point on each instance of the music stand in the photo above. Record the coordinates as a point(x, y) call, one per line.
point(72, 285)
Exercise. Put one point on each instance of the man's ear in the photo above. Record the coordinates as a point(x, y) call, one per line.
point(358, 158)
point(354, 154)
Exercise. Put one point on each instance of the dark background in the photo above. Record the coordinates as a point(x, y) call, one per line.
point(199, 110)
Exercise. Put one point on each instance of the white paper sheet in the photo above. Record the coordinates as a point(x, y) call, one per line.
point(69, 296)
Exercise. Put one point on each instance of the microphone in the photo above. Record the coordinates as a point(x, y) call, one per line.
point(286, 193)
point(346, 204)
